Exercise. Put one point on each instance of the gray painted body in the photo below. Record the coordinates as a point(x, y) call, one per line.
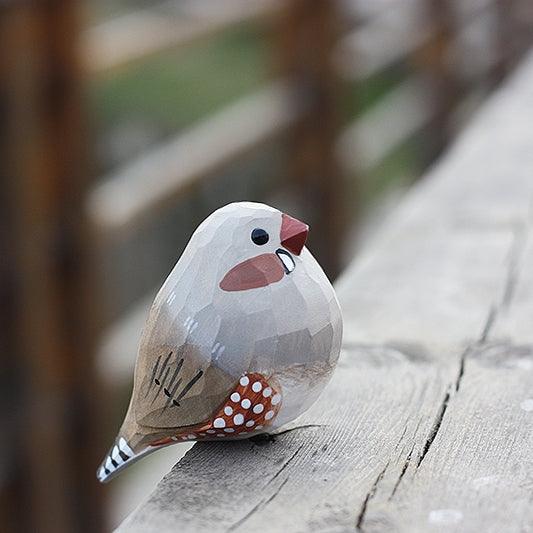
point(290, 329)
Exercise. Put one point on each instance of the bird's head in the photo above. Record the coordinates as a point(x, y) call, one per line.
point(264, 241)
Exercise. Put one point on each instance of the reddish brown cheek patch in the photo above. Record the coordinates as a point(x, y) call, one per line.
point(256, 272)
point(252, 405)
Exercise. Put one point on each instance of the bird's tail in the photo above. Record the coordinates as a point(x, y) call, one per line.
point(119, 456)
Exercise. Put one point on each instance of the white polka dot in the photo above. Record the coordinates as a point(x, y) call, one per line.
point(191, 436)
point(184, 437)
point(201, 434)
point(259, 427)
point(258, 408)
point(267, 392)
point(276, 399)
point(174, 438)
point(269, 415)
point(229, 430)
point(219, 423)
point(238, 419)
point(235, 397)
point(244, 381)
point(256, 387)
point(210, 431)
point(527, 405)
point(246, 403)
point(220, 435)
point(250, 423)
point(228, 410)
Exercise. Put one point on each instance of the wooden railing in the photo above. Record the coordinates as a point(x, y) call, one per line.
point(129, 39)
point(411, 33)
point(142, 188)
point(426, 425)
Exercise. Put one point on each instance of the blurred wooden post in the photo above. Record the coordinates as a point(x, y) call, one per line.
point(504, 39)
point(10, 395)
point(514, 34)
point(434, 59)
point(309, 32)
point(56, 431)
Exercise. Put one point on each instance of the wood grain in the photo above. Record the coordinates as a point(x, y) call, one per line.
point(427, 423)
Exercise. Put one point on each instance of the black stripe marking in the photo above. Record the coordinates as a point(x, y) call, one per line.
point(166, 376)
point(106, 471)
point(156, 395)
point(124, 456)
point(176, 372)
point(174, 384)
point(113, 462)
point(154, 372)
point(166, 361)
point(188, 387)
point(165, 364)
point(173, 391)
point(174, 402)
point(167, 392)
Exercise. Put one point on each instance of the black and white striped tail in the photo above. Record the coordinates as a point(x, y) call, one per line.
point(118, 457)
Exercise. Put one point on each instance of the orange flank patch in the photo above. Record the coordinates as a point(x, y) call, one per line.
point(252, 406)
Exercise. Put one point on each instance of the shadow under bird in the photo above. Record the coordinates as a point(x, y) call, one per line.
point(241, 338)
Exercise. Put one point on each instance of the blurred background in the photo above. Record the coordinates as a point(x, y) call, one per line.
point(124, 123)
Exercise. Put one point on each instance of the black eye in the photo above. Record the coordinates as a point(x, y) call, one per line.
point(259, 236)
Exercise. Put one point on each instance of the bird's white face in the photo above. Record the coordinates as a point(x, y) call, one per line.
point(261, 244)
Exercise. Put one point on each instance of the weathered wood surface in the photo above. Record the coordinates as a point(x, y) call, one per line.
point(427, 423)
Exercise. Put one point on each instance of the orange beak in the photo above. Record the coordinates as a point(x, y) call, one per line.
point(293, 234)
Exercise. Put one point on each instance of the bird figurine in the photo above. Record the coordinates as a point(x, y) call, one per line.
point(241, 338)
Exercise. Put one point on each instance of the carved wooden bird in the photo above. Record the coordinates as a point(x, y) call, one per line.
point(241, 338)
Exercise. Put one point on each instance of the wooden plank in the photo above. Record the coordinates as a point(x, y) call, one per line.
point(130, 38)
point(362, 10)
point(384, 127)
point(426, 424)
point(394, 34)
point(153, 181)
point(383, 40)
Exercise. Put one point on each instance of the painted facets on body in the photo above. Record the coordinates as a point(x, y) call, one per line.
point(241, 338)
